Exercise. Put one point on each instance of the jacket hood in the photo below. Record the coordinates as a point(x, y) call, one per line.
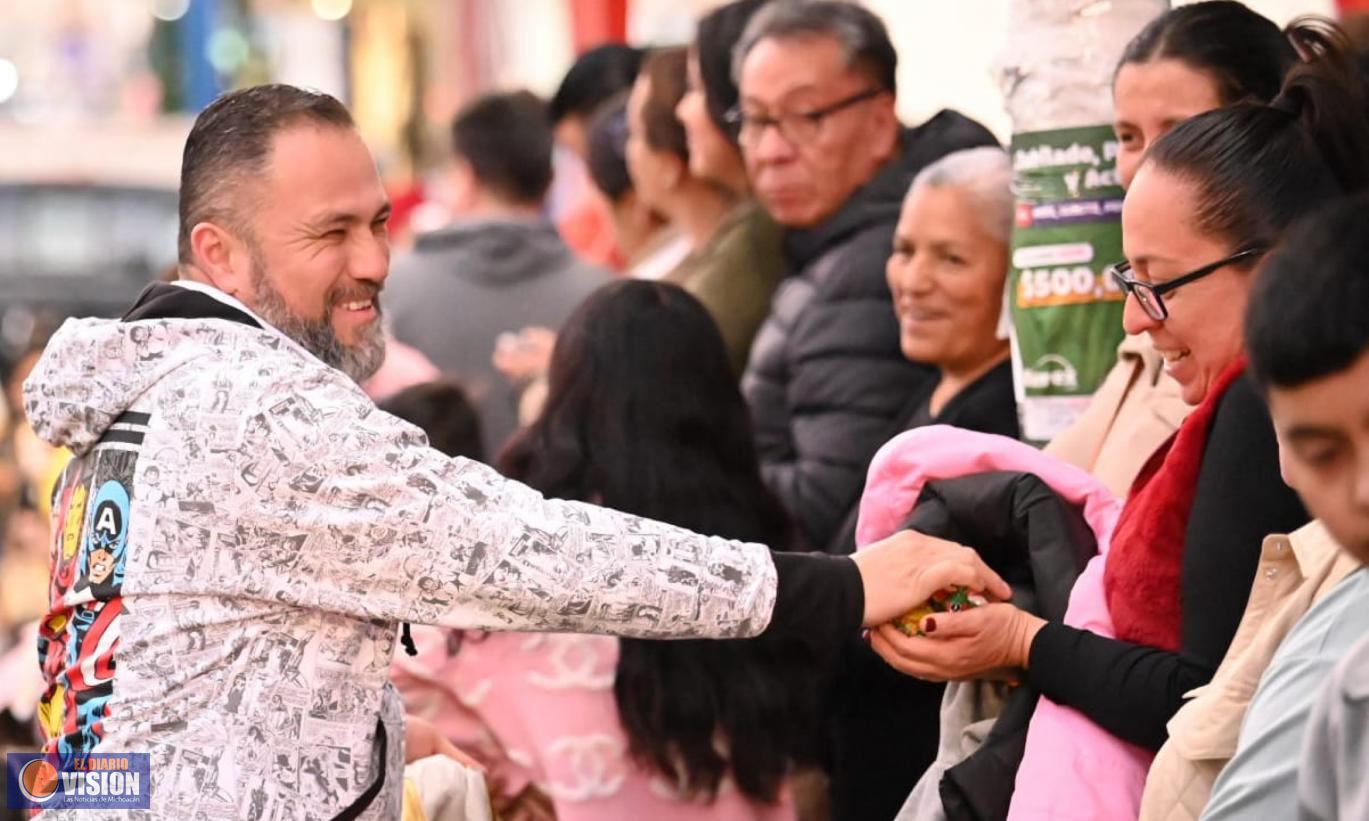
point(515, 250)
point(880, 200)
point(93, 370)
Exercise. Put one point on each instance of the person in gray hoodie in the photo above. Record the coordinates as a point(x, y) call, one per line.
point(499, 267)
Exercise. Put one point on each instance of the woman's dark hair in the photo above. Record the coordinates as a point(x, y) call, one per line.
point(444, 412)
point(596, 77)
point(1257, 168)
point(665, 71)
point(607, 149)
point(643, 415)
point(1244, 53)
point(715, 39)
point(1309, 310)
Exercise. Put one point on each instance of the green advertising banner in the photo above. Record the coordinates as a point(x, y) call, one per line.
point(1066, 312)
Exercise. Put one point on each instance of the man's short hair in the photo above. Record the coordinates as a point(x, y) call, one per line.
point(597, 76)
point(231, 140)
point(507, 141)
point(862, 35)
point(1308, 316)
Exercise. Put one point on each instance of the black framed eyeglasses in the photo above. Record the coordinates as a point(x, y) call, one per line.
point(1151, 296)
point(798, 128)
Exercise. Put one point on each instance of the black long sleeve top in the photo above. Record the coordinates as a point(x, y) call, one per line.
point(1133, 691)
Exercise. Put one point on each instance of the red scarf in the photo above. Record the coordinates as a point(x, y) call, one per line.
point(1142, 575)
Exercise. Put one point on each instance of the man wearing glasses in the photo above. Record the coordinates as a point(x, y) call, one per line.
point(829, 160)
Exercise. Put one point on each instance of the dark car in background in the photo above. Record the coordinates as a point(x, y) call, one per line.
point(87, 219)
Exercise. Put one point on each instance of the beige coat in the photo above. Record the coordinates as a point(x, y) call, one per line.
point(1131, 415)
point(1294, 573)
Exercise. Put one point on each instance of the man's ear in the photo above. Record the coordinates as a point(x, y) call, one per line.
point(465, 191)
point(222, 258)
point(1283, 464)
point(885, 130)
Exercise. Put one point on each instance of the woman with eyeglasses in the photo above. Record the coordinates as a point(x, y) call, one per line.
point(1189, 60)
point(1208, 199)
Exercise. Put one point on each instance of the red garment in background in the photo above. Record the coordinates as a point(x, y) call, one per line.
point(587, 228)
point(595, 22)
point(403, 200)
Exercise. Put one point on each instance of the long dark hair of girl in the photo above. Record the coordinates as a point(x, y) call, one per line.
point(643, 415)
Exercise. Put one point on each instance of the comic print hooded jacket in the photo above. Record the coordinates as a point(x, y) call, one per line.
point(242, 529)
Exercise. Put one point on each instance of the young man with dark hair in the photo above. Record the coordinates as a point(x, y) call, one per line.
point(500, 265)
point(502, 150)
point(1307, 335)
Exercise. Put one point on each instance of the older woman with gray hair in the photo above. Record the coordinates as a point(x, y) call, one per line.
point(947, 275)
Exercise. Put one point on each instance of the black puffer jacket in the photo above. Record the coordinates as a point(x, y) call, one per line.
point(826, 379)
point(884, 725)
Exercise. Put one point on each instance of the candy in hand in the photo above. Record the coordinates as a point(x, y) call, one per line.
point(947, 601)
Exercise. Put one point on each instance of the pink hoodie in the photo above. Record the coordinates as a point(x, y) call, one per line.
point(1072, 768)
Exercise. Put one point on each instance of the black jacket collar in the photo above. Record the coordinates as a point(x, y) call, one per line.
point(162, 300)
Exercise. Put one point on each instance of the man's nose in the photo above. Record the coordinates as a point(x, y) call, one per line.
point(770, 145)
point(371, 262)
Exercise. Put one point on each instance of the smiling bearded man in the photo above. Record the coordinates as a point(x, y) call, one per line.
point(241, 627)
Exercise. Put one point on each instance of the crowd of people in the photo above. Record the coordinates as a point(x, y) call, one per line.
point(655, 499)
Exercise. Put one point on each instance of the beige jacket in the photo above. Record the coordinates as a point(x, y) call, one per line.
point(1294, 573)
point(1131, 415)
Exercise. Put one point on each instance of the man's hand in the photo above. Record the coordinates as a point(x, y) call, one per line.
point(904, 570)
point(422, 739)
point(525, 355)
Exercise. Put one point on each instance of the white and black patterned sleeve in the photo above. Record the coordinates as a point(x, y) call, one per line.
point(350, 511)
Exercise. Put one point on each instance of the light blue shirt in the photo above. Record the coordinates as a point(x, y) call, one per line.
point(1335, 757)
point(1261, 782)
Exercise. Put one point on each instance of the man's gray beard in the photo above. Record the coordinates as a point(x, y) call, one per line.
point(360, 361)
